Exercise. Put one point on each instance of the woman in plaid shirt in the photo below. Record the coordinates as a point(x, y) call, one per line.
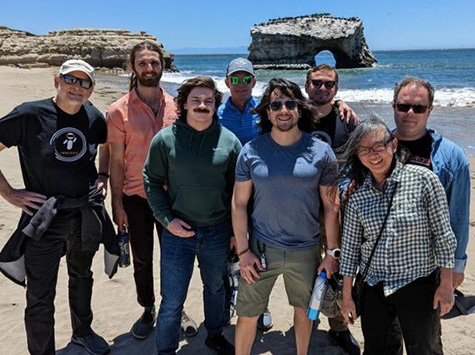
point(416, 243)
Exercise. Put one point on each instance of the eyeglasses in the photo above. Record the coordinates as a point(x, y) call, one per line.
point(71, 80)
point(235, 80)
point(377, 148)
point(327, 84)
point(415, 108)
point(277, 105)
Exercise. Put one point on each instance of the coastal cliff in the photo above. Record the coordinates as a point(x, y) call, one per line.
point(105, 48)
point(293, 42)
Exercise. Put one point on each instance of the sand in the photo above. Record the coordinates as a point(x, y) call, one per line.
point(114, 301)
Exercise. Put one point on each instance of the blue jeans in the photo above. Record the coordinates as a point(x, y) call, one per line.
point(210, 245)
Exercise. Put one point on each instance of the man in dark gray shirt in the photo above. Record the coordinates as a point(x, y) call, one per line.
point(286, 170)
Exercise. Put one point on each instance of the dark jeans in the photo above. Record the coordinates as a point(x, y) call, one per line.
point(141, 222)
point(210, 245)
point(412, 305)
point(42, 264)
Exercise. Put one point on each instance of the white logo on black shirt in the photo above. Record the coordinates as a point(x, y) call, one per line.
point(69, 144)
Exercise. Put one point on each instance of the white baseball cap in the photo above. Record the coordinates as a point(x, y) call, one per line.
point(77, 65)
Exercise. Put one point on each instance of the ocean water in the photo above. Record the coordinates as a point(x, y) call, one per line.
point(369, 90)
point(452, 72)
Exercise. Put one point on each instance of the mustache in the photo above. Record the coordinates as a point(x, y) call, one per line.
point(203, 110)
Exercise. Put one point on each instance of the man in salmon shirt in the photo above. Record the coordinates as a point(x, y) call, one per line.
point(132, 122)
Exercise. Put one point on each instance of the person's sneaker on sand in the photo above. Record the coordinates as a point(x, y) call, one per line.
point(144, 325)
point(188, 325)
point(93, 343)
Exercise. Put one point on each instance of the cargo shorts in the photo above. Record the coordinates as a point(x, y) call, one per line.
point(299, 270)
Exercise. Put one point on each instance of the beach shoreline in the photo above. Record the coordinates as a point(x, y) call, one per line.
point(114, 301)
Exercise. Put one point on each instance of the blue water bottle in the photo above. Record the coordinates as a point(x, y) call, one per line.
point(123, 238)
point(317, 296)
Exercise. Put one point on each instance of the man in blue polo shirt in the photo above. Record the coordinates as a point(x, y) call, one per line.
point(236, 114)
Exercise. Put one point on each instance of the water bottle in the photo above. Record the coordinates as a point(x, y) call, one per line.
point(233, 274)
point(317, 296)
point(123, 237)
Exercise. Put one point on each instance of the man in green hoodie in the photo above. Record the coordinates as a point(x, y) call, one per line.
point(189, 177)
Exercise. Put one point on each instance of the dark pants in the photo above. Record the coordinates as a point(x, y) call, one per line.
point(141, 222)
point(412, 305)
point(42, 263)
point(211, 246)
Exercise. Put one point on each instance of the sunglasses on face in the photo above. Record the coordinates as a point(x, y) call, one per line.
point(415, 108)
point(71, 80)
point(277, 105)
point(377, 148)
point(327, 84)
point(235, 80)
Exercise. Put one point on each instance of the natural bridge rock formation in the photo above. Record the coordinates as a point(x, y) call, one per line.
point(98, 47)
point(292, 43)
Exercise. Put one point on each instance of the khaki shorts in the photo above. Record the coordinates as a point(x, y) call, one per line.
point(299, 269)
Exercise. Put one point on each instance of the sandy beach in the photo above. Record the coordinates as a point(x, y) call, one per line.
point(114, 301)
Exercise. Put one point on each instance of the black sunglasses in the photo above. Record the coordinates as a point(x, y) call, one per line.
point(71, 80)
point(328, 84)
point(416, 108)
point(277, 105)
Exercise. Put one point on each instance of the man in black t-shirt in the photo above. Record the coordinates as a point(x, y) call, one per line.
point(57, 141)
point(412, 104)
point(321, 86)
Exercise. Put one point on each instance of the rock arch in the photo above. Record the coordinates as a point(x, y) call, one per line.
point(293, 43)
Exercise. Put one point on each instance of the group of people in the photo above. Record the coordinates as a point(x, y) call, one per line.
point(257, 176)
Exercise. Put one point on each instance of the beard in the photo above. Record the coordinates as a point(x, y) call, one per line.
point(154, 81)
point(321, 100)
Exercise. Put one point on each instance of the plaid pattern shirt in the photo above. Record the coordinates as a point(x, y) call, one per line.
point(417, 237)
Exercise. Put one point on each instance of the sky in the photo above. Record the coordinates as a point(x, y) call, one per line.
point(389, 24)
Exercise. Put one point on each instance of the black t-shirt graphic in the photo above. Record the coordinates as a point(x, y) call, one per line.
point(57, 150)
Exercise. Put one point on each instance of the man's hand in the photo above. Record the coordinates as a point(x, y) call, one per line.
point(347, 113)
point(348, 310)
point(102, 185)
point(28, 201)
point(120, 217)
point(180, 228)
point(457, 279)
point(248, 263)
point(232, 243)
point(347, 191)
point(329, 264)
point(444, 298)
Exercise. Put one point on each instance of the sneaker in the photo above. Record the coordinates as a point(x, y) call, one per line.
point(188, 325)
point(219, 344)
point(346, 341)
point(264, 322)
point(144, 325)
point(93, 343)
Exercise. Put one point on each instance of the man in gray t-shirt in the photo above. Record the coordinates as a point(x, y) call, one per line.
point(286, 179)
point(286, 170)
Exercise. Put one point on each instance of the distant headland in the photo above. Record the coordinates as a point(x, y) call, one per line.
point(106, 48)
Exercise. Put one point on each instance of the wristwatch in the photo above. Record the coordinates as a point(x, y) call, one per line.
point(336, 253)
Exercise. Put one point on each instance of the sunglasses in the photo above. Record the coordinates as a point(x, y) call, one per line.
point(327, 84)
point(235, 80)
point(377, 148)
point(277, 105)
point(71, 80)
point(415, 108)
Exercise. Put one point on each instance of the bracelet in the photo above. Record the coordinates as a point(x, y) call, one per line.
point(104, 175)
point(243, 252)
